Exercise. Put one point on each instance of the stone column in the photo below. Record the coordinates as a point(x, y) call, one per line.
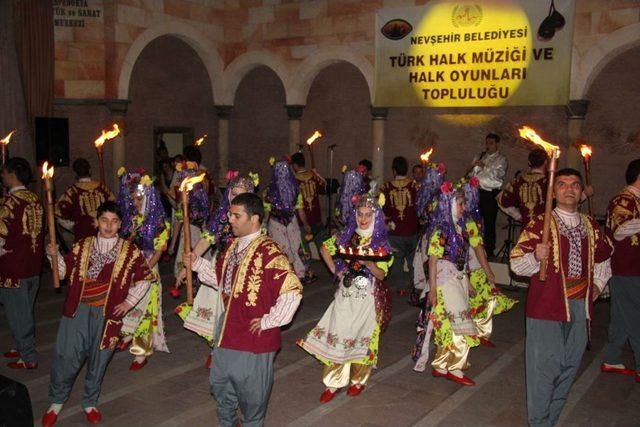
point(118, 110)
point(294, 112)
point(224, 113)
point(378, 119)
point(576, 111)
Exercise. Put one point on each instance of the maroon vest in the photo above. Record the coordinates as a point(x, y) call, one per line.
point(263, 274)
point(128, 268)
point(626, 257)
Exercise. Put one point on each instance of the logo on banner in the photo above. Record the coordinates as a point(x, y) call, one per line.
point(396, 29)
point(467, 15)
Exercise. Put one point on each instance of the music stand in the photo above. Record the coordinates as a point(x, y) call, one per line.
point(513, 230)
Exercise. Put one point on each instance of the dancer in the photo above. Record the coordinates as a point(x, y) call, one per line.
point(346, 340)
point(261, 293)
point(108, 276)
point(21, 240)
point(559, 308)
point(282, 201)
point(145, 225)
point(76, 208)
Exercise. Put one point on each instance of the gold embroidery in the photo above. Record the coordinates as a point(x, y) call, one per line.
point(253, 284)
point(280, 262)
point(243, 268)
point(291, 284)
point(32, 223)
point(400, 196)
point(555, 244)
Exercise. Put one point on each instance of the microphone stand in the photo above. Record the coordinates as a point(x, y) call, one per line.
point(330, 185)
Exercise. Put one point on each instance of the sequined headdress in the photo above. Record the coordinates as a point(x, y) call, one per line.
point(352, 185)
point(283, 189)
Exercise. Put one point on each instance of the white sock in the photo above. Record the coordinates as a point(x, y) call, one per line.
point(55, 407)
point(89, 409)
point(618, 366)
point(332, 389)
point(457, 373)
point(139, 359)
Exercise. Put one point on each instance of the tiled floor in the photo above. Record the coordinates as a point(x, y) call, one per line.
point(172, 390)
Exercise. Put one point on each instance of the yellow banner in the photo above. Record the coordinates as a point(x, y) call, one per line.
point(486, 53)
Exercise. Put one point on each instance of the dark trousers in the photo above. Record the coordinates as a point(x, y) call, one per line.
point(18, 305)
point(624, 324)
point(404, 248)
point(553, 352)
point(489, 211)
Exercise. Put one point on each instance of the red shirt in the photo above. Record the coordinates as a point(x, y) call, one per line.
point(625, 206)
point(21, 227)
point(399, 207)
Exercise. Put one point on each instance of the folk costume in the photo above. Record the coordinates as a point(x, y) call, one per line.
point(523, 198)
point(402, 222)
point(346, 339)
point(487, 300)
point(148, 229)
point(282, 200)
point(76, 208)
point(454, 330)
point(256, 280)
point(102, 273)
point(353, 185)
point(623, 228)
point(559, 310)
point(21, 240)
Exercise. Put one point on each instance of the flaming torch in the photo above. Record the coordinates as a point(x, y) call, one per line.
point(553, 151)
point(105, 136)
point(3, 147)
point(186, 186)
point(424, 157)
point(310, 141)
point(586, 152)
point(47, 176)
point(200, 140)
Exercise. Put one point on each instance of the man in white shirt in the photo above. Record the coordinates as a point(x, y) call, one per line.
point(490, 168)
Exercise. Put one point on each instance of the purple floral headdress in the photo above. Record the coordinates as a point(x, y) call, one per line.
point(379, 238)
point(352, 185)
point(198, 197)
point(429, 188)
point(283, 190)
point(153, 214)
point(452, 230)
point(219, 220)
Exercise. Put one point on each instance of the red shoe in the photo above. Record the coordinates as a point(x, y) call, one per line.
point(613, 370)
point(22, 365)
point(49, 419)
point(485, 342)
point(93, 416)
point(464, 380)
point(328, 396)
point(355, 390)
point(438, 374)
point(12, 354)
point(135, 366)
point(207, 364)
point(123, 345)
point(175, 292)
point(402, 293)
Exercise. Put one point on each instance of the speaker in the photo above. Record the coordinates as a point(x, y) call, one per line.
point(15, 405)
point(52, 140)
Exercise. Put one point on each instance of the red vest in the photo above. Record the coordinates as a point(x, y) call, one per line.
point(399, 207)
point(626, 257)
point(548, 300)
point(263, 274)
point(21, 227)
point(80, 203)
point(129, 267)
point(528, 193)
point(310, 187)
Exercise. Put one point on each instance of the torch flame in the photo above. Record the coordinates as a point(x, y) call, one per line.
point(188, 183)
point(313, 137)
point(530, 135)
point(586, 151)
point(424, 157)
point(6, 139)
point(107, 135)
point(200, 140)
point(47, 172)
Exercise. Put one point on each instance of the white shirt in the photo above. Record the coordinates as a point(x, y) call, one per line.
point(491, 175)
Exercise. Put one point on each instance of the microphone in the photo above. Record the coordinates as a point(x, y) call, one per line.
point(333, 146)
point(482, 155)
